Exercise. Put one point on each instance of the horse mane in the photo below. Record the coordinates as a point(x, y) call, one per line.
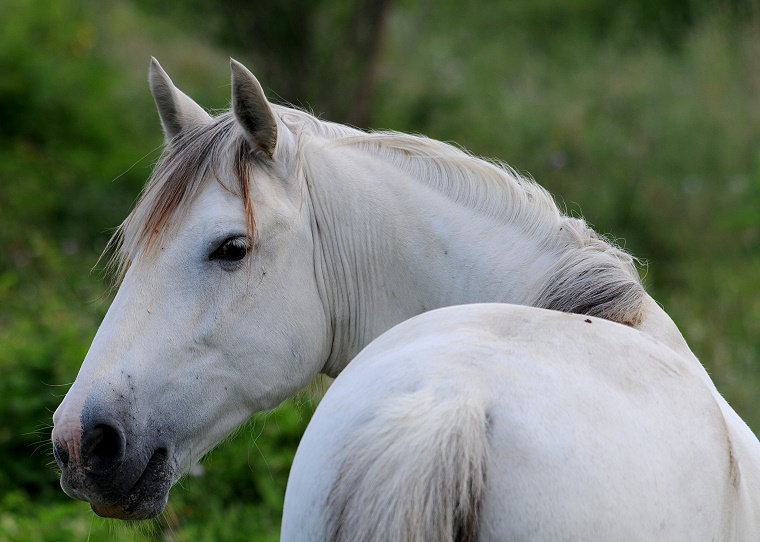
point(591, 275)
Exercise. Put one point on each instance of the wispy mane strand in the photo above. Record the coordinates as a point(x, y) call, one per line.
point(192, 157)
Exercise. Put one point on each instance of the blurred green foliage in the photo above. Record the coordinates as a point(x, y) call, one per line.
point(300, 48)
point(60, 146)
point(644, 115)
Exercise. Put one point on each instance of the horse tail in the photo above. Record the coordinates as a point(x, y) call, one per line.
point(415, 472)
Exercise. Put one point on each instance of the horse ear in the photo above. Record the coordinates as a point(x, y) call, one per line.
point(176, 109)
point(252, 109)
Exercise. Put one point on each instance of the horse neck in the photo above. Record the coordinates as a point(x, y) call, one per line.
point(390, 247)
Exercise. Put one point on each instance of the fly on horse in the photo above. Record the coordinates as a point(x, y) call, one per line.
point(270, 246)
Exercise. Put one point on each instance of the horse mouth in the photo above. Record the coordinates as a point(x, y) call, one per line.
point(147, 498)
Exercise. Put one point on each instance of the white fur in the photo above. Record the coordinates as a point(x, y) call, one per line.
point(581, 429)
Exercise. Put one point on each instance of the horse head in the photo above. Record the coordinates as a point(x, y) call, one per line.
point(218, 314)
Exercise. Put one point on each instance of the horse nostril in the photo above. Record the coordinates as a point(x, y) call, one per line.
point(61, 454)
point(102, 449)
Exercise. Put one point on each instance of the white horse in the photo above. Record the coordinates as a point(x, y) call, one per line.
point(505, 422)
point(270, 246)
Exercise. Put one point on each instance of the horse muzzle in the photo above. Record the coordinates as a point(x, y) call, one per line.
point(120, 477)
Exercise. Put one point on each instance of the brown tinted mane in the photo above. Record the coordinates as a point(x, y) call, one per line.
point(191, 159)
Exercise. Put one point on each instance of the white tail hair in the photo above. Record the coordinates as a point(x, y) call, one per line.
point(415, 472)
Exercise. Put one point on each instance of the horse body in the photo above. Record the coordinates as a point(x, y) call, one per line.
point(270, 246)
point(545, 425)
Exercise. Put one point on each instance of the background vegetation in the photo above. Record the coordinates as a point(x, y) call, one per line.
point(644, 117)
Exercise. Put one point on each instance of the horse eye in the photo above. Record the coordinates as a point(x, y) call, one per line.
point(231, 250)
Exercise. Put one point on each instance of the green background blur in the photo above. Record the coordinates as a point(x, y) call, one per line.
point(642, 116)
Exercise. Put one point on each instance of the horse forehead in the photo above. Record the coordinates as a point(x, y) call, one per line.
point(216, 203)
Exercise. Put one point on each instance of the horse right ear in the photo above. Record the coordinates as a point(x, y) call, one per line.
point(176, 109)
point(252, 109)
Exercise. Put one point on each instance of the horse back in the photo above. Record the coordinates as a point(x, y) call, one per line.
point(498, 422)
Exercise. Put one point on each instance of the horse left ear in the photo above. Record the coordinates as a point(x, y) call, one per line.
point(176, 109)
point(252, 109)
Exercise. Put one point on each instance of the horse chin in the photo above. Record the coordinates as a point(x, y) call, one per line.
point(142, 510)
point(148, 497)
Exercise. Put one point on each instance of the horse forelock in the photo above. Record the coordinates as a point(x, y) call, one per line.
point(219, 151)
